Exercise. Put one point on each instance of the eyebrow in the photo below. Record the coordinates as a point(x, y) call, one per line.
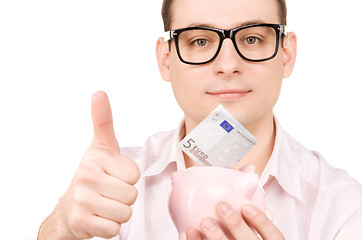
point(237, 25)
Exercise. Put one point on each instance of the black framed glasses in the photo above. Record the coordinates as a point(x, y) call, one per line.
point(201, 45)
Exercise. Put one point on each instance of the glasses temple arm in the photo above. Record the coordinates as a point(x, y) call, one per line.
point(166, 36)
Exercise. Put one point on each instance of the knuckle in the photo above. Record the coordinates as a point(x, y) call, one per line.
point(77, 221)
point(237, 223)
point(85, 175)
point(95, 157)
point(80, 200)
point(90, 156)
point(261, 220)
point(80, 197)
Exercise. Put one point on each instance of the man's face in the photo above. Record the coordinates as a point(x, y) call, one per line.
point(248, 90)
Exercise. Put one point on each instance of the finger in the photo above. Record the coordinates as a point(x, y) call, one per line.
point(261, 223)
point(193, 234)
point(112, 166)
point(103, 122)
point(234, 222)
point(212, 230)
point(111, 210)
point(117, 190)
point(85, 225)
point(101, 227)
point(99, 162)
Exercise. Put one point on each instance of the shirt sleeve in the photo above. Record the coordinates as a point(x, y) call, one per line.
point(352, 228)
point(114, 238)
point(32, 236)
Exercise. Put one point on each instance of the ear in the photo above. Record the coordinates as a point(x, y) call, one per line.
point(163, 58)
point(290, 53)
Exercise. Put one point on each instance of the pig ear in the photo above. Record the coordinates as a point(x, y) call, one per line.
point(269, 213)
point(248, 168)
point(175, 176)
point(248, 184)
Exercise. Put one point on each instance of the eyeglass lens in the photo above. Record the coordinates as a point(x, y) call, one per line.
point(201, 45)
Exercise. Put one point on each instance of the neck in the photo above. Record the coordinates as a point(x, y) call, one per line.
point(259, 155)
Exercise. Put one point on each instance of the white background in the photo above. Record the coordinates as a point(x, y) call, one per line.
point(55, 54)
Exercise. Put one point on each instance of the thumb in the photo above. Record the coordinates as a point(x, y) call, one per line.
point(103, 122)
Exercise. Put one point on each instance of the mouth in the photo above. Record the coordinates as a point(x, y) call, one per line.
point(229, 94)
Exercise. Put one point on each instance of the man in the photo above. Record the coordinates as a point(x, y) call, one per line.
point(309, 199)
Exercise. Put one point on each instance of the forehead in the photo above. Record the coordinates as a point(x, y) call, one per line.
point(223, 14)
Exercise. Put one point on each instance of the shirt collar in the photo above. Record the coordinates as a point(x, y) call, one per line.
point(170, 153)
point(283, 164)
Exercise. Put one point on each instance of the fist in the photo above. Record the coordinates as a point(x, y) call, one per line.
point(101, 192)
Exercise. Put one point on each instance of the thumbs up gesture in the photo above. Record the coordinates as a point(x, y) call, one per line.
point(99, 197)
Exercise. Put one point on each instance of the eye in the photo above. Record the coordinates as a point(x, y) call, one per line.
point(251, 40)
point(201, 42)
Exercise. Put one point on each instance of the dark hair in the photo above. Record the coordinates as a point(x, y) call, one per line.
point(167, 16)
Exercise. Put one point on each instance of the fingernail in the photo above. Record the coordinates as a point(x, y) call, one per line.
point(208, 224)
point(224, 209)
point(193, 234)
point(250, 210)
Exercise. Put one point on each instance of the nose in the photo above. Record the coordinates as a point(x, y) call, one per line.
point(228, 63)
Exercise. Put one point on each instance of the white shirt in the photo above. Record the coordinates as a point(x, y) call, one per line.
point(308, 198)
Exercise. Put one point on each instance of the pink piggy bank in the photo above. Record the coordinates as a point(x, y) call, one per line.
point(197, 190)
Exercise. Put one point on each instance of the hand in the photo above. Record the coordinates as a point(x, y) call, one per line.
point(99, 197)
point(237, 226)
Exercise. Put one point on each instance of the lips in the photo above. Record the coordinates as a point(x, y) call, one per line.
point(229, 94)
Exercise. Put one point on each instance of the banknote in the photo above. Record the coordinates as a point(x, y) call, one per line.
point(219, 140)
